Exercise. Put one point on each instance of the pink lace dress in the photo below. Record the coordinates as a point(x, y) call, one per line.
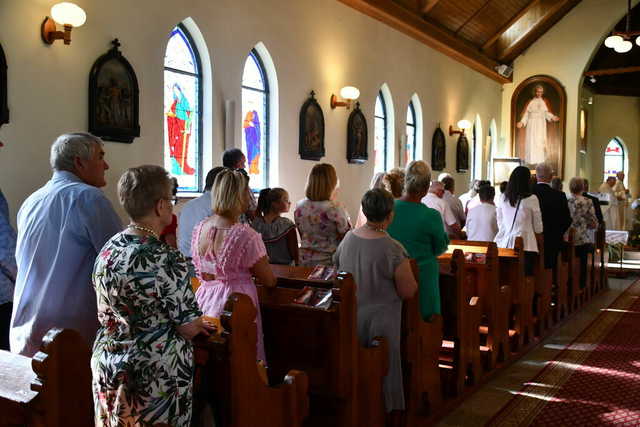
point(241, 249)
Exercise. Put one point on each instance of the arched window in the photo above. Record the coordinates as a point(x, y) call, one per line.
point(615, 159)
point(380, 134)
point(182, 107)
point(411, 144)
point(255, 124)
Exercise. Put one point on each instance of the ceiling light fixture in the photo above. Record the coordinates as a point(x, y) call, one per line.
point(620, 40)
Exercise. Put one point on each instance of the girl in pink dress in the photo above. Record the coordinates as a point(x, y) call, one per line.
point(228, 254)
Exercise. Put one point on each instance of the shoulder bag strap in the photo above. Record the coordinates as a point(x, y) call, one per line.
point(515, 215)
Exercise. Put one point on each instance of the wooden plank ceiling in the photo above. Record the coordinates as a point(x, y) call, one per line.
point(617, 73)
point(479, 33)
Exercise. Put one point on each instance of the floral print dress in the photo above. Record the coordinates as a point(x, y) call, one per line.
point(319, 224)
point(142, 368)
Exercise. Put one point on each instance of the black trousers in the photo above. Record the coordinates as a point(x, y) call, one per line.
point(5, 324)
point(582, 252)
point(530, 259)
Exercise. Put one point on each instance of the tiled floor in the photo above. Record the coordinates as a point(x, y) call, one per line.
point(489, 399)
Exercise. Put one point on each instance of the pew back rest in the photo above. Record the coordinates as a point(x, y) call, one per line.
point(320, 342)
point(53, 388)
point(226, 367)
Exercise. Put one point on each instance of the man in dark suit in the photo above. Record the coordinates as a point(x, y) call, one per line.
point(556, 218)
point(595, 200)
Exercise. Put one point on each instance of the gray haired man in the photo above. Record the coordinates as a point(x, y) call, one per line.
point(61, 229)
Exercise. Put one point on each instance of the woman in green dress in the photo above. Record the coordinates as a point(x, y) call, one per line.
point(421, 232)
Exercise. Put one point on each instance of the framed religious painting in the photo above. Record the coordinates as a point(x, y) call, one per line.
point(502, 168)
point(538, 117)
point(438, 150)
point(462, 154)
point(357, 135)
point(4, 102)
point(311, 143)
point(113, 97)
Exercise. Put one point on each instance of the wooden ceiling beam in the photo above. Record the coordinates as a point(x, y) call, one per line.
point(526, 27)
point(428, 5)
point(508, 25)
point(613, 71)
point(413, 25)
point(473, 16)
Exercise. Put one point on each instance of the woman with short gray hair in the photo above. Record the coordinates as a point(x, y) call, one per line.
point(147, 312)
point(421, 232)
point(381, 269)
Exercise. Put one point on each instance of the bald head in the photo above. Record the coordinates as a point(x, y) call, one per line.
point(544, 172)
point(437, 188)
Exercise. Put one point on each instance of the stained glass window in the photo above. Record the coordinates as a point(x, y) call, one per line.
point(614, 158)
point(380, 134)
point(255, 120)
point(410, 148)
point(182, 114)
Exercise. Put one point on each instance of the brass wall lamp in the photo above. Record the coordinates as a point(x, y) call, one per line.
point(349, 94)
point(68, 15)
point(463, 125)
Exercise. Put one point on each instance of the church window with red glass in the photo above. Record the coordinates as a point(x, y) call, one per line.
point(182, 111)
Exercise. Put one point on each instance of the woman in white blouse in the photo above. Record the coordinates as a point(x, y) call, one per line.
point(518, 213)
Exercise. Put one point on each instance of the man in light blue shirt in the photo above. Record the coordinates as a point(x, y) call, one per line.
point(195, 211)
point(61, 229)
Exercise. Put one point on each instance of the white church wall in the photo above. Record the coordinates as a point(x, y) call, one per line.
point(315, 44)
point(614, 116)
point(563, 53)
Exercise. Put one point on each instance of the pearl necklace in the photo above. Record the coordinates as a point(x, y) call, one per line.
point(375, 228)
point(144, 229)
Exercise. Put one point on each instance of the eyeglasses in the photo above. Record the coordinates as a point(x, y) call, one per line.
point(172, 199)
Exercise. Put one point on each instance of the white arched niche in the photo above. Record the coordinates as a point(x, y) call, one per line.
point(417, 107)
point(476, 153)
point(391, 120)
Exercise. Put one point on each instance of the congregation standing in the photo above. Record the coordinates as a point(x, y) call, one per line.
point(130, 287)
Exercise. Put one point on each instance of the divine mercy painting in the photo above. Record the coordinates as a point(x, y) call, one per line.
point(538, 121)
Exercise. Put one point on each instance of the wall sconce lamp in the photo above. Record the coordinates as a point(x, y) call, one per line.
point(68, 15)
point(349, 94)
point(462, 126)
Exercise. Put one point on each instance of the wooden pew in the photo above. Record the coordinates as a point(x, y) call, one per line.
point(460, 356)
point(345, 378)
point(512, 273)
point(599, 276)
point(561, 285)
point(227, 376)
point(421, 345)
point(543, 285)
point(575, 293)
point(495, 298)
point(53, 389)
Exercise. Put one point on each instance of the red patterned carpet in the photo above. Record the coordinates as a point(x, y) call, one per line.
point(595, 381)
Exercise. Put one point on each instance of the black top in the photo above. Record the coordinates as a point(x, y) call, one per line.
point(596, 206)
point(556, 220)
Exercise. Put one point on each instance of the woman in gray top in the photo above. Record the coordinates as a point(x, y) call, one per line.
point(380, 267)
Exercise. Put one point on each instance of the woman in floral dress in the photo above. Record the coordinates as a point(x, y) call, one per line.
point(584, 223)
point(142, 359)
point(228, 254)
point(321, 221)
